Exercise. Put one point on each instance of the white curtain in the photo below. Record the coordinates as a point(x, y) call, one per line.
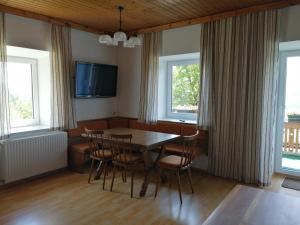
point(4, 103)
point(149, 77)
point(239, 59)
point(62, 116)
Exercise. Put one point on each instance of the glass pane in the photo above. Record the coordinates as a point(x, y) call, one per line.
point(185, 88)
point(20, 92)
point(291, 134)
point(292, 99)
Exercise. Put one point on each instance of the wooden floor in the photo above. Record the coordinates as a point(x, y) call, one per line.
point(67, 198)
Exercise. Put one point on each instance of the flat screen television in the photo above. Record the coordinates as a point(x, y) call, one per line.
point(95, 80)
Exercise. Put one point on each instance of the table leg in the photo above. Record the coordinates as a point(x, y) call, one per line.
point(147, 173)
point(99, 171)
point(163, 176)
point(148, 168)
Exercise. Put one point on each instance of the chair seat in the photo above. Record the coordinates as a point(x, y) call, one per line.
point(128, 158)
point(177, 149)
point(100, 154)
point(172, 161)
point(82, 147)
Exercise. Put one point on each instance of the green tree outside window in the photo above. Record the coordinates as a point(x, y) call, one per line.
point(185, 88)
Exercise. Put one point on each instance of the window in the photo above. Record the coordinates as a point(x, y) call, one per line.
point(28, 73)
point(23, 91)
point(183, 89)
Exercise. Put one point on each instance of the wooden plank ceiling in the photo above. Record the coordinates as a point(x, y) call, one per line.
point(138, 14)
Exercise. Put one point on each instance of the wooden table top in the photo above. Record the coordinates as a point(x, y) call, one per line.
point(253, 206)
point(143, 139)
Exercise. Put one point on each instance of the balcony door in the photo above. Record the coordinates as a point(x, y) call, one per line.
point(288, 130)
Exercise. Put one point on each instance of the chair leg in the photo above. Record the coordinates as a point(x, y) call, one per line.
point(107, 168)
point(170, 181)
point(179, 185)
point(157, 181)
point(132, 175)
point(91, 171)
point(125, 178)
point(190, 179)
point(99, 171)
point(113, 178)
point(104, 173)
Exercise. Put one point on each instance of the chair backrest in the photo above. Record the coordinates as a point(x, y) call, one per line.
point(189, 146)
point(120, 146)
point(96, 143)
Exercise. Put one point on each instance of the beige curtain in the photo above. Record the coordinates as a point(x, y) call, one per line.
point(239, 59)
point(149, 77)
point(4, 103)
point(62, 116)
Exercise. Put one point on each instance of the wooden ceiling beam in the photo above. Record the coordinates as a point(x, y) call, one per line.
point(49, 19)
point(218, 16)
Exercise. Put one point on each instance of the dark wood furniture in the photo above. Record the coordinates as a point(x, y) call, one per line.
point(144, 141)
point(77, 156)
point(79, 149)
point(248, 206)
point(123, 157)
point(180, 162)
point(98, 152)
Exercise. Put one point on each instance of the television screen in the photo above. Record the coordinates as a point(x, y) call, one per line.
point(95, 80)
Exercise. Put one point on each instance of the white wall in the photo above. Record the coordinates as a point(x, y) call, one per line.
point(28, 33)
point(290, 24)
point(181, 41)
point(85, 47)
point(129, 79)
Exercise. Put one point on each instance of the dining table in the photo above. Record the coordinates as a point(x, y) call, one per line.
point(145, 142)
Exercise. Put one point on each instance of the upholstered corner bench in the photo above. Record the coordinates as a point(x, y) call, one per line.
point(79, 148)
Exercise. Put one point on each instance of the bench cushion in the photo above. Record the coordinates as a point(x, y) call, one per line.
point(82, 147)
point(172, 161)
point(177, 149)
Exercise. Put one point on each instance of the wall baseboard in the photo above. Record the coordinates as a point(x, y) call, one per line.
point(33, 178)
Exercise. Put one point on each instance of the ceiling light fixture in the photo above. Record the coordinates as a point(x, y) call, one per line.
point(120, 36)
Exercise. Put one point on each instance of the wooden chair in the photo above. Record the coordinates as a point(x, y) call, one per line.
point(179, 163)
point(124, 157)
point(98, 152)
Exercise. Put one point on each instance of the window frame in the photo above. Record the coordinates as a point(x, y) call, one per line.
point(284, 54)
point(169, 113)
point(35, 91)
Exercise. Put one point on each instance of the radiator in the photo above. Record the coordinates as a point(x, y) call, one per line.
point(29, 156)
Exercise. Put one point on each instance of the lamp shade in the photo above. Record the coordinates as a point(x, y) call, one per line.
point(105, 39)
point(135, 40)
point(120, 36)
point(127, 44)
point(112, 42)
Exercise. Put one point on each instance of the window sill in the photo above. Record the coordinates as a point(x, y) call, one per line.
point(28, 130)
point(178, 120)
